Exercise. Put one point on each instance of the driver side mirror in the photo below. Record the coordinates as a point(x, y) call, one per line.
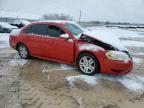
point(65, 36)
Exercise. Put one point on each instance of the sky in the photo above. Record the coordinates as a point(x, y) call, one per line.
point(92, 10)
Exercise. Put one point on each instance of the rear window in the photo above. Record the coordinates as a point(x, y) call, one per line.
point(39, 29)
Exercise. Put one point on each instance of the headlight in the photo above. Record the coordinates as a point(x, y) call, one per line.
point(117, 55)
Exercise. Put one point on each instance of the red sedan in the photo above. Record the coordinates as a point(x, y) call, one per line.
point(68, 42)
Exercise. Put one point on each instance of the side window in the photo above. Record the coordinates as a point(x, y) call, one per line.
point(39, 29)
point(55, 31)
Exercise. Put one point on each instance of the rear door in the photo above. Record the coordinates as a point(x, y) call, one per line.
point(36, 40)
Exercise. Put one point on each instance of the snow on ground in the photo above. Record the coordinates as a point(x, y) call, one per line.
point(132, 43)
point(137, 60)
point(62, 67)
point(17, 61)
point(88, 79)
point(1, 72)
point(65, 67)
point(139, 54)
point(120, 33)
point(132, 82)
point(4, 40)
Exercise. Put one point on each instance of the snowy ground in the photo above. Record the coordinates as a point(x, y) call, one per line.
point(121, 33)
point(132, 82)
point(38, 83)
point(4, 40)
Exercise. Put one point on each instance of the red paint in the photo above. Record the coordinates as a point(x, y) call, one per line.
point(64, 51)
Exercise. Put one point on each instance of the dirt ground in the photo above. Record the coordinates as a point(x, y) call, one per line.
point(42, 84)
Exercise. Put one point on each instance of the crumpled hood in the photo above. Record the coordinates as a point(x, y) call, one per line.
point(106, 37)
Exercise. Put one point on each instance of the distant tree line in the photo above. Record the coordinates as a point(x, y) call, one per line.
point(108, 22)
point(57, 17)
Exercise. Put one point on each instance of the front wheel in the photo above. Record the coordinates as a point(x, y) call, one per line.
point(88, 64)
point(23, 51)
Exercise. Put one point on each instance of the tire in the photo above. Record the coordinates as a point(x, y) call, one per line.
point(23, 51)
point(88, 64)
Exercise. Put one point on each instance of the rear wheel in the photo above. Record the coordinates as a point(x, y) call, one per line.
point(23, 51)
point(88, 64)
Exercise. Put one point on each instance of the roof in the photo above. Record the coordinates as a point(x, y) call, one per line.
point(56, 21)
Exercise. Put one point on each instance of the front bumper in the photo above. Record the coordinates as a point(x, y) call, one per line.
point(115, 67)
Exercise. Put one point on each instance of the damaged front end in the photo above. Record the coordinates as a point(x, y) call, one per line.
point(94, 41)
point(99, 43)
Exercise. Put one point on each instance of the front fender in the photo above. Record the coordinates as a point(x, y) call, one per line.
point(95, 50)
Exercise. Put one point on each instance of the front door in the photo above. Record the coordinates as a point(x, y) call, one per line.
point(60, 48)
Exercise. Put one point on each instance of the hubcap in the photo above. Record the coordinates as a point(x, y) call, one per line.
point(87, 64)
point(23, 51)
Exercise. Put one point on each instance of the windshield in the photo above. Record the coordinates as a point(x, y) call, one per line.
point(74, 29)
